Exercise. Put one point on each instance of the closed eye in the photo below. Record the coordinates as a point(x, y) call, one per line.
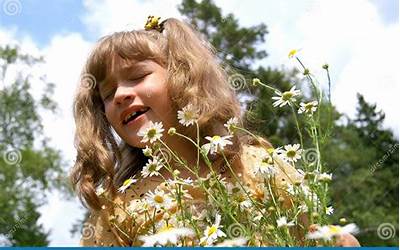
point(135, 79)
point(110, 93)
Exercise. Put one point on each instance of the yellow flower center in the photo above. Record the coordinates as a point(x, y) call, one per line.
point(287, 95)
point(151, 133)
point(166, 227)
point(268, 160)
point(334, 229)
point(188, 115)
point(291, 153)
point(126, 182)
point(212, 230)
point(216, 138)
point(152, 167)
point(309, 106)
point(158, 199)
point(292, 53)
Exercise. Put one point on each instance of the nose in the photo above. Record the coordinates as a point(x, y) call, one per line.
point(123, 93)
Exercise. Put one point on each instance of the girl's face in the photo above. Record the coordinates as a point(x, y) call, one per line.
point(135, 95)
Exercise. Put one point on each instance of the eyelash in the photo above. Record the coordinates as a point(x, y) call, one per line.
point(131, 80)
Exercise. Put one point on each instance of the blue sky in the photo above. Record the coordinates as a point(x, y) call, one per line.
point(358, 38)
point(41, 20)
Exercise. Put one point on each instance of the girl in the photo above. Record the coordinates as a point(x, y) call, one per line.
point(140, 80)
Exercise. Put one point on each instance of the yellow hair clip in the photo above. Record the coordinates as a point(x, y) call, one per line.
point(152, 23)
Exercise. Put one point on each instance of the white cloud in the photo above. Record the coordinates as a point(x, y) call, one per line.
point(371, 71)
point(361, 50)
point(65, 57)
point(349, 35)
point(105, 17)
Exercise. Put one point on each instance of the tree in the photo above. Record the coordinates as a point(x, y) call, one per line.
point(364, 159)
point(26, 170)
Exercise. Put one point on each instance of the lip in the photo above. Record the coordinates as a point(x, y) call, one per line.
point(129, 110)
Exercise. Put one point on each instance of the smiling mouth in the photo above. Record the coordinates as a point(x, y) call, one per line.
point(134, 115)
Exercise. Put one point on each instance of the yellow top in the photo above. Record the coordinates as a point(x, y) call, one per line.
point(107, 227)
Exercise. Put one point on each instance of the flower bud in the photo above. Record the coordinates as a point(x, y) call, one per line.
point(270, 227)
point(171, 131)
point(176, 172)
point(147, 151)
point(256, 81)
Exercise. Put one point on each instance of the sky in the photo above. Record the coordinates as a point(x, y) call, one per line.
point(357, 38)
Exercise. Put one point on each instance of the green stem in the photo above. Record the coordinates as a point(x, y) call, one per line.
point(297, 125)
point(198, 145)
point(240, 184)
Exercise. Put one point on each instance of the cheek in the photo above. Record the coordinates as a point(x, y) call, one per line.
point(110, 115)
point(157, 97)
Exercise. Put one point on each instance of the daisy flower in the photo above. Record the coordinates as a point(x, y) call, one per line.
point(152, 167)
point(167, 234)
point(213, 232)
point(282, 222)
point(127, 183)
point(216, 143)
point(266, 167)
point(159, 199)
point(147, 151)
point(329, 210)
point(324, 177)
point(286, 97)
point(309, 107)
point(152, 133)
point(188, 115)
point(231, 124)
point(329, 231)
point(291, 153)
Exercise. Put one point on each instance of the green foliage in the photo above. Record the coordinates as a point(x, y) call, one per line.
point(28, 166)
point(235, 45)
point(363, 157)
point(361, 154)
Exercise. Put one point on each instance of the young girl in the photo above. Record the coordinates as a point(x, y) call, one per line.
point(142, 79)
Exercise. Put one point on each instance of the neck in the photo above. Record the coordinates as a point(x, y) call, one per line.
point(187, 152)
